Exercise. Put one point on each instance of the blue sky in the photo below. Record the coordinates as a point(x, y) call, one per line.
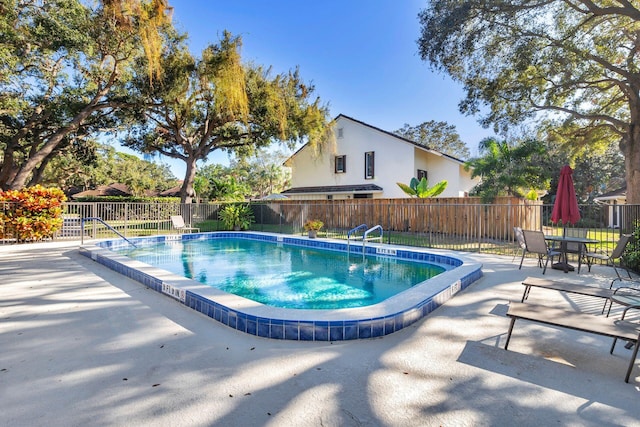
point(361, 56)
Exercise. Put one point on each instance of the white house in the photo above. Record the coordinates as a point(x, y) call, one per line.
point(614, 200)
point(367, 162)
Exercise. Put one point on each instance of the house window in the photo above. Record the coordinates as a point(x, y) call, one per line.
point(363, 196)
point(330, 197)
point(422, 174)
point(369, 164)
point(341, 164)
point(340, 132)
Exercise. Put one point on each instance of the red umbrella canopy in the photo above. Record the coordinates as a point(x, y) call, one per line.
point(565, 208)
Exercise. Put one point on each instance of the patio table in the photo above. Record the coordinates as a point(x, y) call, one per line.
point(563, 240)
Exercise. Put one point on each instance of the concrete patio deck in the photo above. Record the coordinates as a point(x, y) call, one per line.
point(81, 345)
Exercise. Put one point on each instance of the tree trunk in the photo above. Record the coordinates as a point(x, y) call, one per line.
point(186, 192)
point(631, 151)
point(32, 163)
point(8, 169)
point(36, 177)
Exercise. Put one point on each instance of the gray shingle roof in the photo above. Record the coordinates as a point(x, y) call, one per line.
point(334, 189)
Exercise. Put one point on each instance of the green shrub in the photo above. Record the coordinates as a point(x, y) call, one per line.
point(236, 217)
point(631, 257)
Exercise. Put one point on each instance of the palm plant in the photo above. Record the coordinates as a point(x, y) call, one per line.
point(421, 188)
point(509, 169)
point(236, 216)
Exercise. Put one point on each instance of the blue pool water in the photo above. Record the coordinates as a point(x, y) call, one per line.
point(284, 275)
point(254, 318)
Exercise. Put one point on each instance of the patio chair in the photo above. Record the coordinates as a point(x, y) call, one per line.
point(577, 248)
point(616, 254)
point(535, 243)
point(178, 224)
point(517, 231)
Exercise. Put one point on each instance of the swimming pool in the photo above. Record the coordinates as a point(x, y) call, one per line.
point(382, 318)
point(287, 276)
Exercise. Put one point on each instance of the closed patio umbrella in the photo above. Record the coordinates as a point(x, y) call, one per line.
point(565, 207)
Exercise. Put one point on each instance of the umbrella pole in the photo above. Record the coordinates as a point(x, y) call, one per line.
point(563, 263)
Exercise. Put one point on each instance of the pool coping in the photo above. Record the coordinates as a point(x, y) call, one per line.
point(386, 317)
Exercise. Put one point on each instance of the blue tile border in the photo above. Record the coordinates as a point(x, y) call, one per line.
point(287, 329)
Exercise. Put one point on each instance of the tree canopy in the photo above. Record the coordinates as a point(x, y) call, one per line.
point(576, 61)
point(509, 169)
point(440, 136)
point(594, 173)
point(245, 177)
point(104, 165)
point(63, 73)
point(216, 102)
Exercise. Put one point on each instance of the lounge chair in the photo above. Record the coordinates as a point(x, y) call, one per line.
point(178, 224)
point(616, 254)
point(535, 243)
point(577, 321)
point(566, 287)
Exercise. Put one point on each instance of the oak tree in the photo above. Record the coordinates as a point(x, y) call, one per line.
point(440, 136)
point(63, 73)
point(216, 102)
point(576, 62)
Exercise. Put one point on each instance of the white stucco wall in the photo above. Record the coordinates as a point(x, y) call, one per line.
point(395, 161)
point(466, 182)
point(441, 168)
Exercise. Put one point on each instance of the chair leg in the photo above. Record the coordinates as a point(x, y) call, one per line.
point(613, 281)
point(633, 359)
point(513, 321)
point(544, 270)
point(613, 263)
point(579, 261)
point(589, 262)
point(522, 259)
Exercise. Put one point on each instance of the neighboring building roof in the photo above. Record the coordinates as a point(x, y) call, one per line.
point(619, 194)
point(274, 196)
point(363, 188)
point(105, 190)
point(172, 192)
point(424, 147)
point(114, 189)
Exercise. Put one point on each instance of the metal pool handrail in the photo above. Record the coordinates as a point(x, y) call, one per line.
point(364, 237)
point(106, 225)
point(377, 227)
point(353, 230)
point(350, 232)
point(366, 233)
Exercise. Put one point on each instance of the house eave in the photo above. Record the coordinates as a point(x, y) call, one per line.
point(336, 189)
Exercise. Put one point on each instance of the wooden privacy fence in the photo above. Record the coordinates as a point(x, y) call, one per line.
point(452, 216)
